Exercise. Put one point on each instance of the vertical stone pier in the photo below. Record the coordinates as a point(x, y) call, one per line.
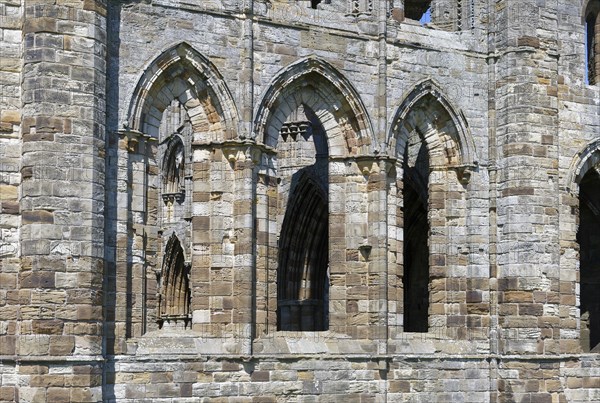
point(59, 349)
point(527, 188)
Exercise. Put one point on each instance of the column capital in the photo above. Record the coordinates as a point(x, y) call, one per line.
point(237, 151)
point(132, 138)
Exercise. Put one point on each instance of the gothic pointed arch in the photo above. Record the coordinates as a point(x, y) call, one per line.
point(182, 73)
point(445, 131)
point(429, 137)
point(174, 302)
point(319, 86)
point(586, 159)
point(310, 116)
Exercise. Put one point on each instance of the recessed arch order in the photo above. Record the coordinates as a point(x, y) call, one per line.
point(443, 127)
point(182, 73)
point(319, 86)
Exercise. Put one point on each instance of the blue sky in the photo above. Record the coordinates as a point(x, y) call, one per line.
point(426, 17)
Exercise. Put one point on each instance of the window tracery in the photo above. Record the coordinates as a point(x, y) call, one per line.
point(173, 181)
point(361, 7)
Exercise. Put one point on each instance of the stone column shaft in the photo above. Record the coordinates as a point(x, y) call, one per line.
point(244, 271)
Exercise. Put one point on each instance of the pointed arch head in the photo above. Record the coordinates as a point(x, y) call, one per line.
point(184, 74)
point(316, 85)
point(588, 158)
point(173, 252)
point(428, 113)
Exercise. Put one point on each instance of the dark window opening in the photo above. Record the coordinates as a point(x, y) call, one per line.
point(303, 259)
point(588, 237)
point(416, 233)
point(415, 9)
point(592, 43)
point(591, 49)
point(175, 293)
point(314, 3)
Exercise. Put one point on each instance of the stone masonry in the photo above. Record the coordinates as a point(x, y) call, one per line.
point(299, 201)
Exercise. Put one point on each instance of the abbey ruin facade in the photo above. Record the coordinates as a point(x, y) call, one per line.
point(300, 201)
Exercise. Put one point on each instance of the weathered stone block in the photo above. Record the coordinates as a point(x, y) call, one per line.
point(260, 376)
point(47, 326)
point(62, 345)
point(8, 193)
point(56, 394)
point(36, 279)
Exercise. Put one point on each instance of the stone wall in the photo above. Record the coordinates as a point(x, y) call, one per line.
point(11, 44)
point(498, 103)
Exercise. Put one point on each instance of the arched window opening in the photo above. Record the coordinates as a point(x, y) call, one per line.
point(174, 300)
point(416, 9)
point(416, 234)
point(302, 275)
point(314, 3)
point(310, 114)
point(592, 46)
point(431, 139)
point(588, 237)
point(173, 166)
point(180, 99)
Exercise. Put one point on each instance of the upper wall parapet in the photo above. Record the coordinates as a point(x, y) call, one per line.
point(347, 15)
